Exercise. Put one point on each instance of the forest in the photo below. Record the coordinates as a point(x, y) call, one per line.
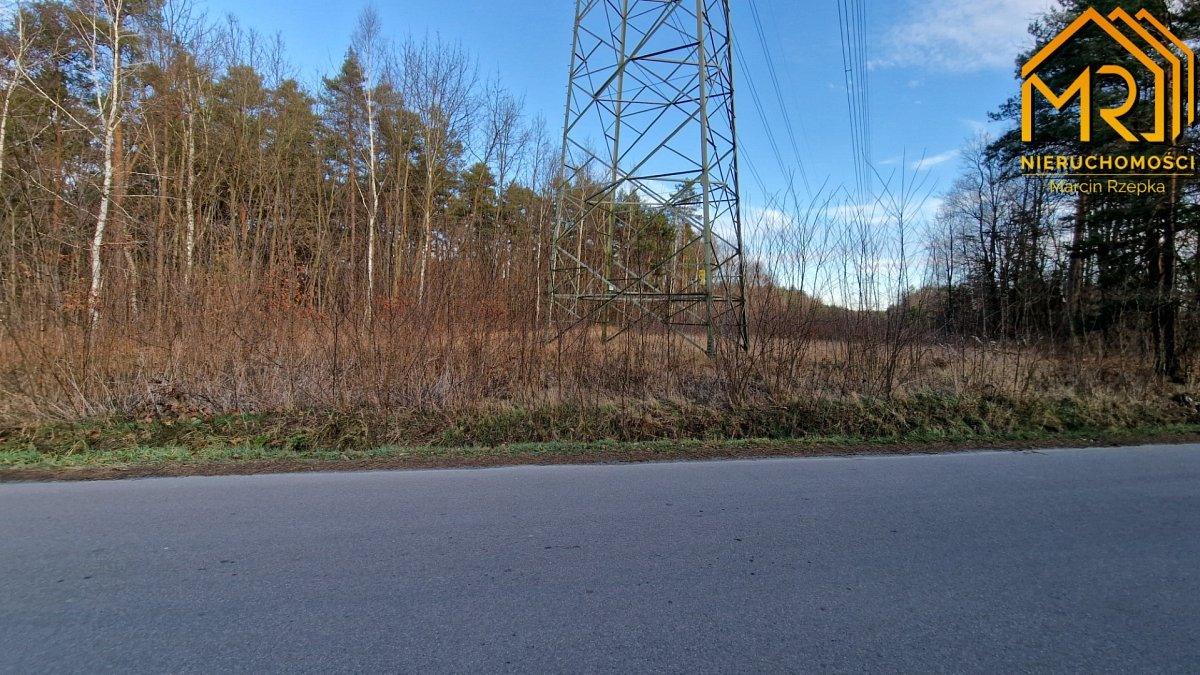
point(192, 234)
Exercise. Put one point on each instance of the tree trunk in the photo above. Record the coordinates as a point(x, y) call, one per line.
point(111, 122)
point(8, 93)
point(1170, 365)
point(427, 235)
point(1075, 268)
point(373, 214)
point(189, 196)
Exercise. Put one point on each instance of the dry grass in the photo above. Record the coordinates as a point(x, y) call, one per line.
point(259, 358)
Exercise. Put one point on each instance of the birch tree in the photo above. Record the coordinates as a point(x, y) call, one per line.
point(367, 43)
point(14, 56)
point(439, 86)
point(187, 40)
point(101, 27)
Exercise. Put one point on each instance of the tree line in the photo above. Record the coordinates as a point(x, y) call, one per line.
point(180, 213)
point(1019, 258)
point(145, 147)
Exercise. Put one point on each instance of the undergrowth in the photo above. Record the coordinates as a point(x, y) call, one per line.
point(306, 432)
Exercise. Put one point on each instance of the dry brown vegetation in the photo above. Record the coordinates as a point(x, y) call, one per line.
point(230, 351)
point(375, 251)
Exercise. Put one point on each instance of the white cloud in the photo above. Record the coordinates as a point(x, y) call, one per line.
point(767, 216)
point(960, 36)
point(930, 162)
point(977, 127)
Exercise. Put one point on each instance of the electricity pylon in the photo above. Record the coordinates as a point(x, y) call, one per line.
point(648, 225)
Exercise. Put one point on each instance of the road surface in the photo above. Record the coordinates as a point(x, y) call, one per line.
point(1064, 560)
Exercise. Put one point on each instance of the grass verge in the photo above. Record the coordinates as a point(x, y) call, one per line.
point(629, 432)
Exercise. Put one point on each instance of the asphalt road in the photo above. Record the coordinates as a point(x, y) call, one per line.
point(1064, 560)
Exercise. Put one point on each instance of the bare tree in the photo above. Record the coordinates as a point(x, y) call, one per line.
point(439, 85)
point(187, 37)
point(101, 28)
point(368, 44)
point(14, 54)
point(505, 142)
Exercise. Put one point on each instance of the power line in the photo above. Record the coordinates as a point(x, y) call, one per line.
point(852, 28)
point(865, 90)
point(748, 79)
point(783, 109)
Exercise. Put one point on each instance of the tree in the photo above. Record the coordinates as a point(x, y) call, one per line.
point(367, 43)
point(14, 49)
point(344, 105)
point(994, 243)
point(475, 205)
point(439, 86)
point(235, 162)
point(400, 156)
point(296, 177)
point(1124, 248)
point(103, 21)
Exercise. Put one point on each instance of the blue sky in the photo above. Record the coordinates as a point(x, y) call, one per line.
point(937, 67)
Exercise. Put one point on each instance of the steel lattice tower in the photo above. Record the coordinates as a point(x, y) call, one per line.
point(648, 225)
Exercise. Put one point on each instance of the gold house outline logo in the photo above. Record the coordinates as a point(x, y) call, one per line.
point(1143, 26)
